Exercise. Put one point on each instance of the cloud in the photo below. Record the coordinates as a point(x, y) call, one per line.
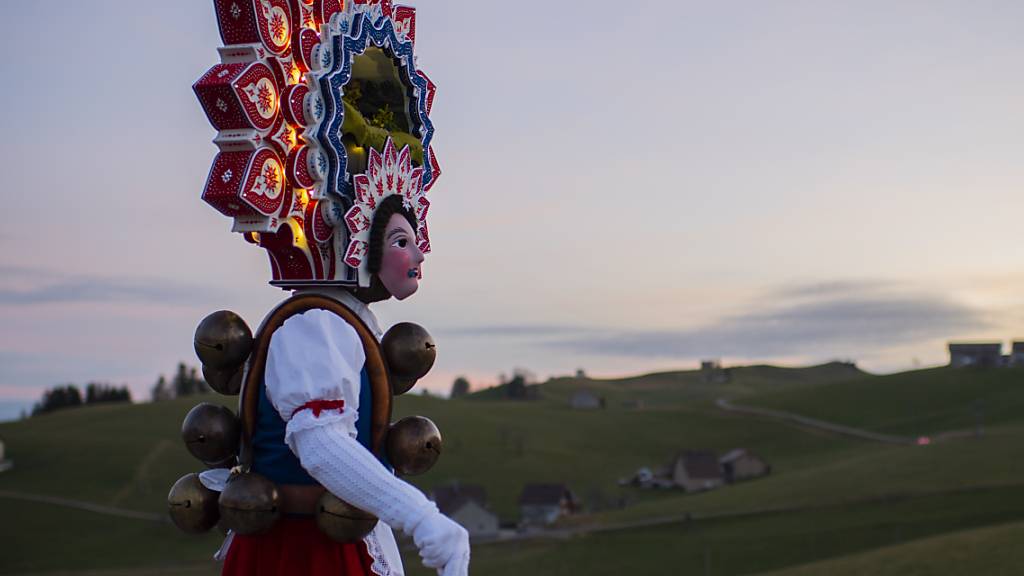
point(826, 320)
point(29, 286)
point(512, 330)
point(833, 289)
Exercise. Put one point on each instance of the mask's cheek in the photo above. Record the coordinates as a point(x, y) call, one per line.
point(394, 273)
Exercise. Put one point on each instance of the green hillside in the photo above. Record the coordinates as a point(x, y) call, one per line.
point(751, 544)
point(993, 551)
point(828, 498)
point(912, 403)
point(680, 388)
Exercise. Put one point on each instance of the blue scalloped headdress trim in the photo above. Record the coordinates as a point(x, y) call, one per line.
point(345, 47)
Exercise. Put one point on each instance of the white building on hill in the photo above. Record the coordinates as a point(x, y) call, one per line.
point(467, 505)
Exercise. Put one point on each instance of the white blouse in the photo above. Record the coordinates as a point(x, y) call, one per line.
point(315, 356)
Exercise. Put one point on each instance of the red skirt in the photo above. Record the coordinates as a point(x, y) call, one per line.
point(295, 547)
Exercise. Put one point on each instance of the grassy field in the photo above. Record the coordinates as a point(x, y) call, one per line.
point(829, 499)
point(993, 551)
point(912, 403)
point(750, 544)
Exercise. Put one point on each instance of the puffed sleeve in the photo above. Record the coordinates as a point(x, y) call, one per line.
point(313, 372)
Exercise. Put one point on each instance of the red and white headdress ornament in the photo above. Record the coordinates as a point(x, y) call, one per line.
point(388, 173)
point(294, 127)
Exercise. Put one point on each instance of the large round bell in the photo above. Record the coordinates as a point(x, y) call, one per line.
point(212, 433)
point(342, 521)
point(410, 353)
point(192, 506)
point(223, 340)
point(227, 382)
point(414, 445)
point(249, 504)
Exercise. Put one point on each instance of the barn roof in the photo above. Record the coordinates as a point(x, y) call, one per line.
point(701, 464)
point(451, 497)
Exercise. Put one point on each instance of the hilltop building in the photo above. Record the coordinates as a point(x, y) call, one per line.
point(542, 504)
point(467, 505)
point(712, 372)
point(697, 470)
point(977, 354)
point(1017, 353)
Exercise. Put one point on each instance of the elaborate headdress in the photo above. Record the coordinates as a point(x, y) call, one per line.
point(321, 113)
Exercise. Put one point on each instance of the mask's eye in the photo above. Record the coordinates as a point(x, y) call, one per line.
point(400, 243)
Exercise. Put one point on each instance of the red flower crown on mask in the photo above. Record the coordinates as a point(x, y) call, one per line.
point(388, 173)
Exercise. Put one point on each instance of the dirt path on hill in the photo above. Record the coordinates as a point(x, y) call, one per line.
point(82, 505)
point(726, 405)
point(143, 476)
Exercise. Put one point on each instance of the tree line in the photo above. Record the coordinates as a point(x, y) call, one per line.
point(185, 382)
point(69, 396)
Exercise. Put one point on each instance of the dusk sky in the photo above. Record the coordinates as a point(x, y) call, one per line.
point(626, 187)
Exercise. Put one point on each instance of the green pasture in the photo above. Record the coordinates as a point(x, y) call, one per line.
point(685, 389)
point(992, 551)
point(921, 402)
point(870, 472)
point(750, 544)
point(830, 500)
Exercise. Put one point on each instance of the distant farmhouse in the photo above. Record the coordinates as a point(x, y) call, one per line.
point(742, 464)
point(542, 504)
point(467, 505)
point(697, 470)
point(712, 372)
point(985, 354)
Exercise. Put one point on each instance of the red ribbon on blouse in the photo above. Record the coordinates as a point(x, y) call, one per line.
point(318, 406)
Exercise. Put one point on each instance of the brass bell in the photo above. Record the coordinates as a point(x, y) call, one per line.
point(227, 382)
point(223, 340)
point(341, 521)
point(192, 506)
point(249, 504)
point(410, 353)
point(212, 433)
point(414, 445)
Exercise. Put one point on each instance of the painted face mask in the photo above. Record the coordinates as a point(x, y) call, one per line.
point(401, 258)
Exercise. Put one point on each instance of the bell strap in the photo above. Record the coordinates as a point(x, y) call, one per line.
point(375, 367)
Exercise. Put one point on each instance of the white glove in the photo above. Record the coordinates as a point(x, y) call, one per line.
point(350, 472)
point(443, 544)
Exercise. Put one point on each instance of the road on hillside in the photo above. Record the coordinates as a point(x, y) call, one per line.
point(725, 404)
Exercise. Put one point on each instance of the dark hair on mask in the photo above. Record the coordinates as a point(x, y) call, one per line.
point(378, 228)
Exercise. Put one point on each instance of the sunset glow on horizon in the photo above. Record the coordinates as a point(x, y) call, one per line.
point(624, 190)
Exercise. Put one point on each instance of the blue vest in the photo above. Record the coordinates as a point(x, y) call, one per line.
point(272, 457)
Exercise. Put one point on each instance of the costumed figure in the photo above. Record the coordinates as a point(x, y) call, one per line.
point(325, 160)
